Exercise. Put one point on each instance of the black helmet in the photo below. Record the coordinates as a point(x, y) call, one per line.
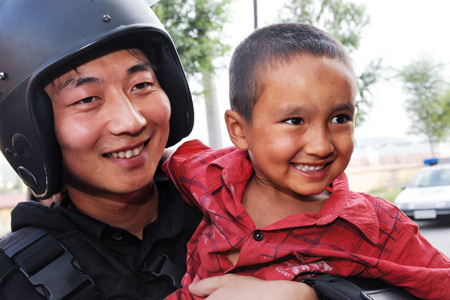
point(36, 38)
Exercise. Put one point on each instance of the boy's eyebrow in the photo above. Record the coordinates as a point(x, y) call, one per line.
point(296, 110)
point(345, 106)
point(292, 110)
point(144, 66)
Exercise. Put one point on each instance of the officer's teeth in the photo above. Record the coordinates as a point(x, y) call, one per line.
point(126, 154)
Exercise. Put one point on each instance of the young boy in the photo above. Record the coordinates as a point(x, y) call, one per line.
point(277, 206)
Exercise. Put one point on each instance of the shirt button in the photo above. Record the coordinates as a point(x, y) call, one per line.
point(117, 236)
point(257, 235)
point(143, 267)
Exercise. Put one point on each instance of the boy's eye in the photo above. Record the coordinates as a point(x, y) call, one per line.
point(341, 119)
point(294, 121)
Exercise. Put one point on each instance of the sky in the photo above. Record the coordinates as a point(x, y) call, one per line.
point(399, 32)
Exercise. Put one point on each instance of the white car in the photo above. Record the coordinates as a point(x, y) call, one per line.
point(427, 196)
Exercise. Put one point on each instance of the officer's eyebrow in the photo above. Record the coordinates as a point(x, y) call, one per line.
point(81, 80)
point(141, 67)
point(78, 81)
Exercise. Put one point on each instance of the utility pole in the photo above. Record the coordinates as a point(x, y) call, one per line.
point(255, 13)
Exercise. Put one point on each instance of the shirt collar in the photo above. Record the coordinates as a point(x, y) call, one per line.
point(170, 214)
point(344, 204)
point(90, 226)
point(352, 207)
point(224, 168)
point(168, 223)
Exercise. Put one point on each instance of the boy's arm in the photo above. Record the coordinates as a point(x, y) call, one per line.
point(415, 261)
point(233, 286)
point(240, 287)
point(411, 248)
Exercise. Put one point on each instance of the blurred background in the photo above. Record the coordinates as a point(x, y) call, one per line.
point(400, 51)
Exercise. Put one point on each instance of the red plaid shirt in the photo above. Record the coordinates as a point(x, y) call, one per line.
point(354, 234)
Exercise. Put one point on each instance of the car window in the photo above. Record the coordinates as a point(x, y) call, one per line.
point(430, 177)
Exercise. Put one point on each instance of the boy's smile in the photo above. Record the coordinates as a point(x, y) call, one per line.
point(301, 135)
point(112, 123)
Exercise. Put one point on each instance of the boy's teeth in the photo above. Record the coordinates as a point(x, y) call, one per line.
point(126, 154)
point(307, 168)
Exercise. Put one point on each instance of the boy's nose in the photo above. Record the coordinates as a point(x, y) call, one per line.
point(126, 117)
point(319, 142)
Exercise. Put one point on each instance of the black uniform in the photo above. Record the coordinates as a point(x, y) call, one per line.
point(119, 264)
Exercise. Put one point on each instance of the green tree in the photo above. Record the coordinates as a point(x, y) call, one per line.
point(428, 105)
point(196, 27)
point(345, 21)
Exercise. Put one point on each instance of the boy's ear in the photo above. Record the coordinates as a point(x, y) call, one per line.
point(236, 125)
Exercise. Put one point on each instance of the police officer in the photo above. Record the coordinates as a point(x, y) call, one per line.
point(91, 92)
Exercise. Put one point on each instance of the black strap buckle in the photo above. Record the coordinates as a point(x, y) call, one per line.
point(48, 265)
point(162, 266)
point(61, 278)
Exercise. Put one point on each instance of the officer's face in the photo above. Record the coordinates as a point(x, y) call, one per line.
point(112, 124)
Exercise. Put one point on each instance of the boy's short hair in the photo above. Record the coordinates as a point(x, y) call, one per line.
point(267, 46)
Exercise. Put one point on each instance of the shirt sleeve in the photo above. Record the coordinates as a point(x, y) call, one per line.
point(185, 164)
point(413, 255)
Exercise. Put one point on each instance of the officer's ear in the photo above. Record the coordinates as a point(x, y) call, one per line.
point(236, 126)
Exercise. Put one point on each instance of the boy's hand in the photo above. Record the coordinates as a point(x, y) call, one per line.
point(239, 287)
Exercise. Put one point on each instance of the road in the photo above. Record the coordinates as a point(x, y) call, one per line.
point(437, 233)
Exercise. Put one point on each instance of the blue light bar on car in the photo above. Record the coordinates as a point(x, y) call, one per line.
point(430, 161)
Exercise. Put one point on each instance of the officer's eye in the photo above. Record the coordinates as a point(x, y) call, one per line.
point(142, 85)
point(87, 100)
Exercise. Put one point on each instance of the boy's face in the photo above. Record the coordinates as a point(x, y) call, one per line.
point(112, 123)
point(301, 135)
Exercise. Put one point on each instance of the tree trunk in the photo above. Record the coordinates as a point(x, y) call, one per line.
point(431, 142)
point(213, 118)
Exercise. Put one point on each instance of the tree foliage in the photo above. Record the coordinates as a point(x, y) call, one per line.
point(345, 21)
point(428, 105)
point(196, 27)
